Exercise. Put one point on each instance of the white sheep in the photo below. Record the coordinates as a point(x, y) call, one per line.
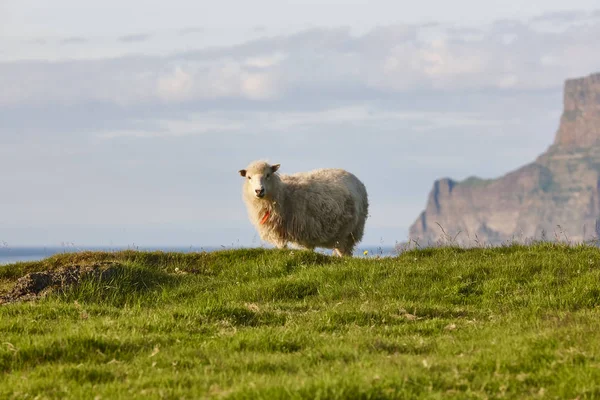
point(324, 208)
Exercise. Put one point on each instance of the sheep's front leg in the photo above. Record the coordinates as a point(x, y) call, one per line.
point(281, 245)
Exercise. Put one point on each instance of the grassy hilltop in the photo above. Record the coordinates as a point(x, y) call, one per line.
point(511, 322)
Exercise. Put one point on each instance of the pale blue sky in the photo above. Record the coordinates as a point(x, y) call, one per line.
point(125, 122)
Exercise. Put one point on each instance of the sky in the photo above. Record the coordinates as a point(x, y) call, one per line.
point(124, 123)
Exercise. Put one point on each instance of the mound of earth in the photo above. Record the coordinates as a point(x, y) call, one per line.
point(38, 284)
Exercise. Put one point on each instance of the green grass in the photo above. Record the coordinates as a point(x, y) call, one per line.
point(510, 322)
point(475, 181)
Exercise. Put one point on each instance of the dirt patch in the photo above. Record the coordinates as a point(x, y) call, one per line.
point(38, 284)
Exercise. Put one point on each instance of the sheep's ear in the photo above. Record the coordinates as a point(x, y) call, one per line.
point(275, 167)
point(242, 172)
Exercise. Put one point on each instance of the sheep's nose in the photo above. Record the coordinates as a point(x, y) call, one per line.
point(260, 192)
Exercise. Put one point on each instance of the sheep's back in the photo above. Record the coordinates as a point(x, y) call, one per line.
point(334, 184)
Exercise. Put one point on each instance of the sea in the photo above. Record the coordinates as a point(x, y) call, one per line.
point(10, 255)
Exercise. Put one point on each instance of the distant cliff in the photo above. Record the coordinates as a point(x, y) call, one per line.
point(560, 188)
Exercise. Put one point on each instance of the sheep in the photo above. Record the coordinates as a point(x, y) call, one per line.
point(324, 208)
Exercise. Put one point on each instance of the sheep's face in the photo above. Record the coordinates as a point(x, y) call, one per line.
point(260, 179)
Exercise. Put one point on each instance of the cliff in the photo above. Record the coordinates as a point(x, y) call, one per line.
point(580, 121)
point(556, 194)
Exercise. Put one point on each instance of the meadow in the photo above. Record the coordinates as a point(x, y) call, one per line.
point(505, 322)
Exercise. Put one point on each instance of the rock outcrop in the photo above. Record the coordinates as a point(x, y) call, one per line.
point(557, 194)
point(580, 122)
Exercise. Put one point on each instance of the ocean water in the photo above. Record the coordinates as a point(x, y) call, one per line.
point(9, 255)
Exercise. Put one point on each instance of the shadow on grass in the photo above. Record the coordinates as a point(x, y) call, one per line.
point(125, 286)
point(71, 350)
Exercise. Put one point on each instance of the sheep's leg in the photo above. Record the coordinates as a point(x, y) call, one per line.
point(346, 248)
point(281, 245)
point(349, 249)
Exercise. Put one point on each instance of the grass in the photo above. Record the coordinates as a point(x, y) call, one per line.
point(507, 322)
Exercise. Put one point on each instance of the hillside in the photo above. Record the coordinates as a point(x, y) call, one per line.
point(559, 193)
point(514, 322)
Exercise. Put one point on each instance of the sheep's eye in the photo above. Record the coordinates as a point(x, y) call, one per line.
point(249, 177)
point(268, 176)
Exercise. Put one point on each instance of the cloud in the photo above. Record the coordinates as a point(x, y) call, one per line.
point(191, 30)
point(561, 16)
point(276, 123)
point(176, 85)
point(38, 41)
point(226, 79)
point(194, 125)
point(74, 40)
point(265, 61)
point(563, 21)
point(141, 37)
point(399, 59)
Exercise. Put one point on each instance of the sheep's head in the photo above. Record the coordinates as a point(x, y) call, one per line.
point(260, 179)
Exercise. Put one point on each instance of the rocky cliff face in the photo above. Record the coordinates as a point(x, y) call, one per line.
point(580, 122)
point(559, 193)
